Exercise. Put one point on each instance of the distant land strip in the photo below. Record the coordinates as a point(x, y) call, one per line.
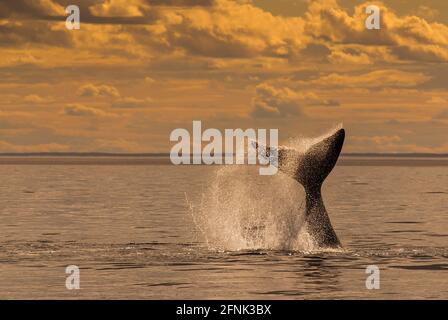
point(348, 159)
point(107, 154)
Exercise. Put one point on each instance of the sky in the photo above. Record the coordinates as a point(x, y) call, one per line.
point(138, 69)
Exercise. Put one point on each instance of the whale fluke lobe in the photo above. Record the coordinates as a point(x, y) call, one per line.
point(310, 167)
point(318, 161)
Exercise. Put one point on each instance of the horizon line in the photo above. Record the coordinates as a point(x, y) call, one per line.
point(167, 154)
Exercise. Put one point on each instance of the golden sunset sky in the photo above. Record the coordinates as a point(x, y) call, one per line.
point(137, 69)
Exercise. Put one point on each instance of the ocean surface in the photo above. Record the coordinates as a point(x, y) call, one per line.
point(156, 231)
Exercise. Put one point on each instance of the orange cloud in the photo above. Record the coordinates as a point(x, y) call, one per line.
point(119, 8)
point(271, 102)
point(91, 90)
point(131, 103)
point(408, 37)
point(378, 78)
point(79, 110)
point(33, 98)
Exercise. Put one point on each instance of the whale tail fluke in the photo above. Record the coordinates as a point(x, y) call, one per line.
point(318, 160)
point(310, 167)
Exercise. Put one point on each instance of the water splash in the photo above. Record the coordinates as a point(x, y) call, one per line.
point(302, 143)
point(241, 210)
